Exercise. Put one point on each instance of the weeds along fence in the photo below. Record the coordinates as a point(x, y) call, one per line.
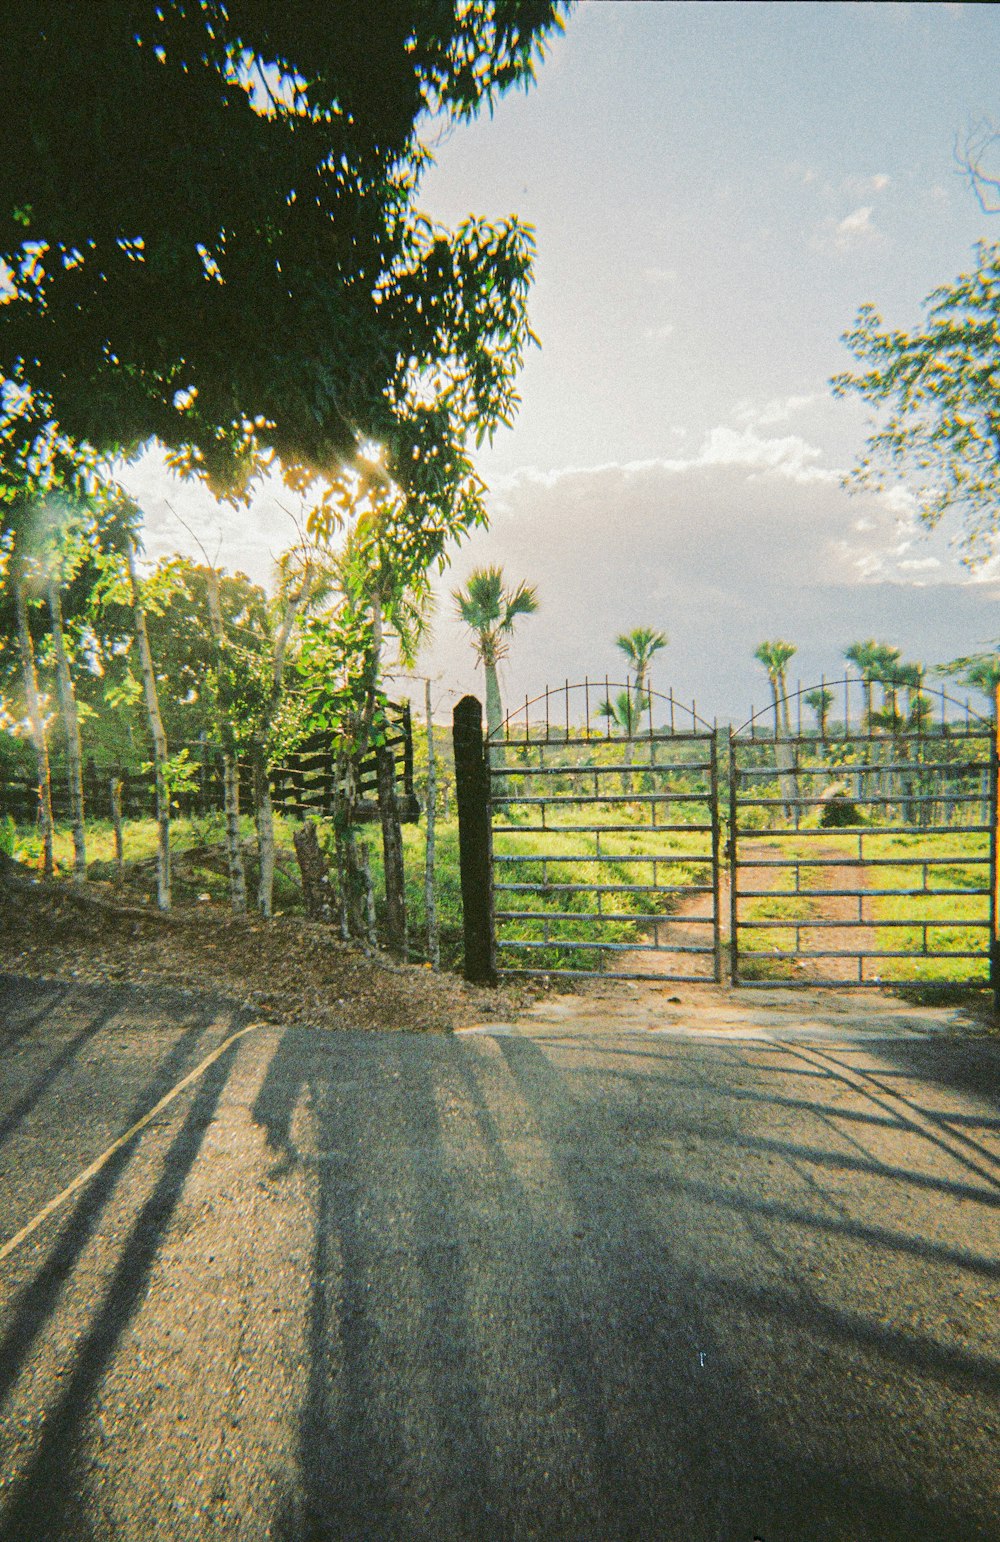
point(304, 784)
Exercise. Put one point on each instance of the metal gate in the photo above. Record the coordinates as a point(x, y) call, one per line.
point(863, 851)
point(604, 812)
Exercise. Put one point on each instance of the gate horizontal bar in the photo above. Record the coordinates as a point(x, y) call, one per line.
point(873, 953)
point(601, 829)
point(803, 924)
point(653, 919)
point(913, 861)
point(897, 796)
point(608, 974)
point(835, 832)
point(606, 888)
point(599, 736)
point(671, 857)
point(861, 985)
point(661, 767)
point(865, 893)
point(565, 945)
point(612, 797)
point(839, 770)
point(956, 733)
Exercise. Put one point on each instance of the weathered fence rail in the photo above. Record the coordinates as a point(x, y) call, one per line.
point(304, 784)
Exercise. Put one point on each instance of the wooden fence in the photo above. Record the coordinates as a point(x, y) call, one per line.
point(303, 785)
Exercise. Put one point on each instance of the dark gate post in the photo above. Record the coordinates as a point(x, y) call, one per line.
point(475, 841)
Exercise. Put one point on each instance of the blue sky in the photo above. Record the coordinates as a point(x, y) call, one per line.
point(715, 190)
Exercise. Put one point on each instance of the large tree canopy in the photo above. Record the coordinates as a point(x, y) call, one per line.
point(938, 390)
point(208, 232)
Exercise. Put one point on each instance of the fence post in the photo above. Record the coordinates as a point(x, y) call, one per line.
point(474, 841)
point(392, 851)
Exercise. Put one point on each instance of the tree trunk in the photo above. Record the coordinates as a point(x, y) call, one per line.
point(230, 772)
point(357, 895)
point(316, 887)
point(264, 813)
point(71, 728)
point(115, 789)
point(392, 852)
point(35, 718)
point(262, 786)
point(494, 706)
point(430, 897)
point(499, 785)
point(234, 848)
point(159, 740)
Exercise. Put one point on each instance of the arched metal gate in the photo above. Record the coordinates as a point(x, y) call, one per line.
point(862, 848)
point(608, 830)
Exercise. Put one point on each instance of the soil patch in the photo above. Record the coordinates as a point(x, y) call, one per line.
point(287, 970)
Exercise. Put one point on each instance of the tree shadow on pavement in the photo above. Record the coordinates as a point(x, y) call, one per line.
point(48, 1500)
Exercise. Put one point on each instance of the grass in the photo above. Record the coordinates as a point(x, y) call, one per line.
point(560, 915)
point(909, 923)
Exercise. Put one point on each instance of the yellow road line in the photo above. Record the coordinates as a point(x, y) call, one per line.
point(89, 1172)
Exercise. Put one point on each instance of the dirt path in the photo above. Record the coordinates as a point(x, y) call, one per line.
point(690, 926)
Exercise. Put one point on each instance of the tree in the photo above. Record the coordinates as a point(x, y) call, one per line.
point(937, 392)
point(640, 647)
point(222, 248)
point(489, 609)
point(865, 658)
point(981, 671)
point(820, 700)
point(775, 657)
point(17, 583)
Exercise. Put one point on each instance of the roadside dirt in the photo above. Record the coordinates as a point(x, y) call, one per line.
point(285, 970)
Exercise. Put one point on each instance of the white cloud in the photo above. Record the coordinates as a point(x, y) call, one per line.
point(747, 538)
point(864, 187)
point(661, 333)
point(778, 410)
point(855, 229)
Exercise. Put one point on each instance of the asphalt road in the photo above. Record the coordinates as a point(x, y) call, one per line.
point(613, 1284)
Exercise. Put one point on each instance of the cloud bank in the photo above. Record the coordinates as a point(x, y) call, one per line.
point(752, 538)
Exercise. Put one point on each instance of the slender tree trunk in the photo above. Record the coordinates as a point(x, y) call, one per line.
point(230, 770)
point(499, 786)
point(430, 897)
point(264, 815)
point(38, 735)
point(115, 789)
point(494, 706)
point(71, 728)
point(392, 852)
point(159, 739)
point(790, 784)
point(353, 870)
point(234, 848)
point(261, 770)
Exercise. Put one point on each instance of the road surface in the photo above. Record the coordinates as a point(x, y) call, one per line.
point(637, 1274)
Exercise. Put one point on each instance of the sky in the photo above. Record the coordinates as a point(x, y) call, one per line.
point(715, 190)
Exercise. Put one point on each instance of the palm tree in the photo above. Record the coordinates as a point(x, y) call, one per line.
point(489, 610)
point(639, 647)
point(775, 656)
point(626, 711)
point(980, 670)
point(866, 657)
point(820, 700)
